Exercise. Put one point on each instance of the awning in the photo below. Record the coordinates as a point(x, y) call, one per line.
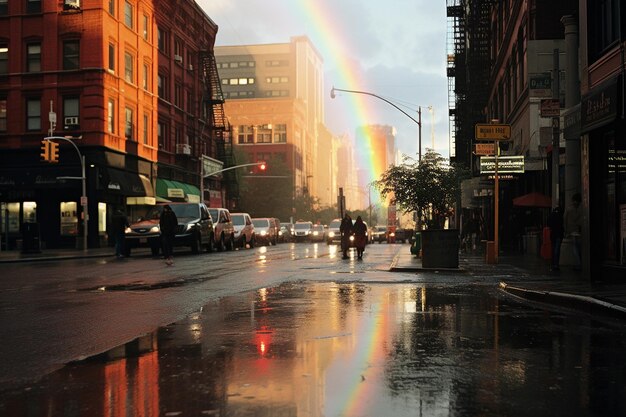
point(175, 190)
point(126, 183)
point(533, 200)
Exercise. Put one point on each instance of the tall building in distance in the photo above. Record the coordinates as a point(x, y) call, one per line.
point(274, 103)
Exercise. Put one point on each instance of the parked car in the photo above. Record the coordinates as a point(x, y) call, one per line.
point(397, 235)
point(318, 233)
point(286, 232)
point(224, 231)
point(334, 235)
point(379, 234)
point(266, 230)
point(244, 230)
point(278, 232)
point(195, 228)
point(302, 231)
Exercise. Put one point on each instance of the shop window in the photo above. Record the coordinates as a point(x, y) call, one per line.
point(102, 218)
point(69, 218)
point(30, 211)
point(4, 59)
point(10, 217)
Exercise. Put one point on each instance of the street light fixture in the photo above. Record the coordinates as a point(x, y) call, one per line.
point(419, 111)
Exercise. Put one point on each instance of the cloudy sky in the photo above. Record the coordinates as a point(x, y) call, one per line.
point(395, 49)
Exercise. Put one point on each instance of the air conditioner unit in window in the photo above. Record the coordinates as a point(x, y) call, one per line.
point(183, 149)
point(71, 4)
point(70, 121)
point(178, 59)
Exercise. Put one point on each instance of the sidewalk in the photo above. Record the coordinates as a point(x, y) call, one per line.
point(527, 276)
point(524, 276)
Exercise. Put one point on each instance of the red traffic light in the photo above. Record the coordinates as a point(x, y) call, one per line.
point(262, 166)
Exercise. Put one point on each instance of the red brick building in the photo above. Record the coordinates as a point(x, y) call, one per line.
point(121, 78)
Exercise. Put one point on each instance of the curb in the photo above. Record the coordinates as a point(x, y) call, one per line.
point(393, 267)
point(586, 304)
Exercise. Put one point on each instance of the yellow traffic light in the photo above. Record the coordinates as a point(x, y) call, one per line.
point(45, 150)
point(54, 152)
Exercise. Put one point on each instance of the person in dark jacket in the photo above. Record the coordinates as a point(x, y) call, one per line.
point(168, 224)
point(555, 223)
point(346, 231)
point(360, 236)
point(119, 224)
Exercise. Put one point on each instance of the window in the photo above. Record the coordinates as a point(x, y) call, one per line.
point(3, 114)
point(33, 57)
point(112, 57)
point(146, 26)
point(145, 83)
point(146, 126)
point(33, 6)
point(129, 14)
point(178, 52)
point(163, 41)
point(277, 80)
point(237, 81)
point(71, 113)
point(4, 59)
point(4, 7)
point(264, 134)
point(161, 133)
point(111, 116)
point(71, 55)
point(129, 125)
point(112, 7)
point(129, 70)
point(33, 114)
point(245, 134)
point(163, 91)
point(71, 4)
point(603, 26)
point(178, 95)
point(280, 133)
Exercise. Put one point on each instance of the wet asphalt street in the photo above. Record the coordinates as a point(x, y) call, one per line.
point(292, 330)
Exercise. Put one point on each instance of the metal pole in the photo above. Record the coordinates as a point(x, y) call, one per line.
point(419, 125)
point(556, 151)
point(496, 186)
point(84, 203)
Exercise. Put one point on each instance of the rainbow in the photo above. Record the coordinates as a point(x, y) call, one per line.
point(327, 35)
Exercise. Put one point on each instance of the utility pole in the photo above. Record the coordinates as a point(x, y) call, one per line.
point(555, 131)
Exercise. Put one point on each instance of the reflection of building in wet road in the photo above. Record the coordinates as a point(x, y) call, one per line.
point(352, 349)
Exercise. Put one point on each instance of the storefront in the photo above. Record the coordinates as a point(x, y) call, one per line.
point(604, 181)
point(171, 190)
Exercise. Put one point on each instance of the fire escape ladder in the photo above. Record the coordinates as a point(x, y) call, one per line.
point(213, 102)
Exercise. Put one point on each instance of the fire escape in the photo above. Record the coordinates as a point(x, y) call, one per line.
point(221, 140)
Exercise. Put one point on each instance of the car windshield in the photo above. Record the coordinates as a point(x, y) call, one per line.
point(154, 213)
point(335, 224)
point(318, 227)
point(303, 226)
point(191, 211)
point(261, 222)
point(381, 228)
point(238, 219)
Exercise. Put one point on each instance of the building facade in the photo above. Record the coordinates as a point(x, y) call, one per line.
point(274, 103)
point(91, 74)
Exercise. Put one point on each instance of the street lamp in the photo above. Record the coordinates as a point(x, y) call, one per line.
point(419, 112)
point(83, 198)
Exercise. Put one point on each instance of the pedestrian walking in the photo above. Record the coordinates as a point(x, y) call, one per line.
point(345, 229)
point(360, 236)
point(119, 225)
point(573, 219)
point(555, 223)
point(168, 224)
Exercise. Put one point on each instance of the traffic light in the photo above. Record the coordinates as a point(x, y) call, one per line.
point(45, 150)
point(262, 166)
point(54, 152)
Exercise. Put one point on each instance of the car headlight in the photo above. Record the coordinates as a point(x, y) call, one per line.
point(316, 233)
point(331, 234)
point(351, 238)
point(308, 232)
point(128, 230)
point(392, 234)
point(263, 232)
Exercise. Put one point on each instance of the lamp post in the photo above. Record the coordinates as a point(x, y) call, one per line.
point(83, 198)
point(419, 112)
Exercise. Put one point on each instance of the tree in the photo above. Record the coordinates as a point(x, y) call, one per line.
point(429, 187)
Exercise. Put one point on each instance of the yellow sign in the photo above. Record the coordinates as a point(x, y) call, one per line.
point(492, 131)
point(486, 149)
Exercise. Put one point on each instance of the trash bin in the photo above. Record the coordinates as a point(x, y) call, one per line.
point(30, 238)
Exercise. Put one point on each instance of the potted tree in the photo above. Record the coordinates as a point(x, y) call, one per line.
point(430, 187)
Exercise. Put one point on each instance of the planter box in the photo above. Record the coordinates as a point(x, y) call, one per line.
point(440, 248)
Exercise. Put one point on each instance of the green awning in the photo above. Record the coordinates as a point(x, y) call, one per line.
point(176, 190)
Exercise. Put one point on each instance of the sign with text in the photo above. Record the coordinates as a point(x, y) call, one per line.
point(506, 165)
point(550, 107)
point(485, 149)
point(492, 131)
point(540, 84)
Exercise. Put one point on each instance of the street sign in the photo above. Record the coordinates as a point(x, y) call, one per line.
point(540, 84)
point(550, 107)
point(485, 149)
point(506, 165)
point(492, 131)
